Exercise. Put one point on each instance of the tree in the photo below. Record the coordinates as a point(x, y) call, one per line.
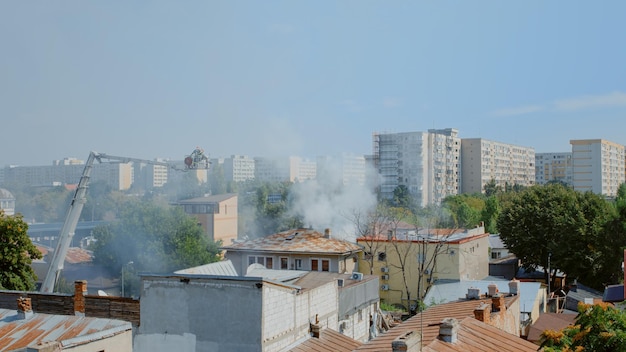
point(154, 238)
point(491, 188)
point(402, 197)
point(490, 214)
point(598, 328)
point(556, 222)
point(16, 254)
point(465, 210)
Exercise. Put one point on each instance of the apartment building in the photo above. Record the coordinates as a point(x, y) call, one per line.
point(598, 166)
point(427, 163)
point(349, 169)
point(288, 169)
point(553, 167)
point(485, 160)
point(238, 168)
point(118, 175)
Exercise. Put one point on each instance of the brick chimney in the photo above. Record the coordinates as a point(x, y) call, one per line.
point(80, 290)
point(498, 304)
point(483, 313)
point(409, 341)
point(24, 308)
point(315, 328)
point(448, 330)
point(327, 233)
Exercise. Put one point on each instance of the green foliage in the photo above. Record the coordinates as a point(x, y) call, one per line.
point(155, 238)
point(490, 214)
point(41, 204)
point(567, 225)
point(16, 254)
point(598, 328)
point(402, 197)
point(465, 210)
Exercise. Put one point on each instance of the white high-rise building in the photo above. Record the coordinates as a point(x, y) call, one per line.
point(484, 160)
point(347, 169)
point(553, 167)
point(598, 166)
point(238, 168)
point(426, 163)
point(291, 169)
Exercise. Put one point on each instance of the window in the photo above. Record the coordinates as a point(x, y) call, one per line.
point(298, 263)
point(320, 265)
point(267, 262)
point(495, 255)
point(284, 263)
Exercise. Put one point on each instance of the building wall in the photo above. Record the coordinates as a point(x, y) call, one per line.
point(484, 160)
point(357, 305)
point(553, 167)
point(225, 223)
point(598, 166)
point(238, 168)
point(200, 315)
point(241, 261)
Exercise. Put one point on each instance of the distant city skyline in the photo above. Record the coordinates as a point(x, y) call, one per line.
point(281, 78)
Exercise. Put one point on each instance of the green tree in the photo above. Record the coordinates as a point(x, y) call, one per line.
point(598, 328)
point(491, 188)
point(556, 222)
point(155, 238)
point(465, 210)
point(490, 214)
point(16, 254)
point(402, 197)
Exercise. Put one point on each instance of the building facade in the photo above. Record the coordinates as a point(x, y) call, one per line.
point(7, 202)
point(598, 166)
point(238, 168)
point(506, 164)
point(550, 167)
point(426, 163)
point(347, 169)
point(289, 169)
point(217, 215)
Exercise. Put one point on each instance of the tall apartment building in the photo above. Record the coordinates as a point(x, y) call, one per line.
point(427, 163)
point(348, 169)
point(291, 169)
point(150, 175)
point(553, 167)
point(484, 160)
point(238, 168)
point(598, 166)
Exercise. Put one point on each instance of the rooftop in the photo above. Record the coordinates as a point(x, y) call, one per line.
point(296, 241)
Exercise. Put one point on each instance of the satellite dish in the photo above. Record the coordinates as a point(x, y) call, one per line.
point(102, 293)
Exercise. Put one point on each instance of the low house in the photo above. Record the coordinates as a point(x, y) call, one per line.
point(502, 263)
point(457, 254)
point(490, 323)
point(358, 312)
point(298, 249)
point(25, 330)
point(549, 321)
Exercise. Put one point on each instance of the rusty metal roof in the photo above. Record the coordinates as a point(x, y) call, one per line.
point(329, 341)
point(296, 241)
point(70, 331)
point(428, 322)
point(474, 335)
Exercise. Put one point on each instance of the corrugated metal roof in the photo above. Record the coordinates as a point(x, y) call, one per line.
point(474, 335)
point(427, 322)
point(552, 321)
point(329, 341)
point(222, 268)
point(296, 241)
point(18, 333)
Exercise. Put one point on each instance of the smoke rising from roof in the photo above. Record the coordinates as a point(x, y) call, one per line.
point(327, 202)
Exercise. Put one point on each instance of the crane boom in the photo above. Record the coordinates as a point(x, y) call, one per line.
point(73, 214)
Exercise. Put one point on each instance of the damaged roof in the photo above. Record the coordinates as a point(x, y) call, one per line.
point(16, 333)
point(296, 241)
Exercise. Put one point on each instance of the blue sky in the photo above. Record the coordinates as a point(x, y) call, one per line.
point(156, 78)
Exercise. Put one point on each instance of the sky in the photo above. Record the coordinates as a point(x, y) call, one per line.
point(149, 79)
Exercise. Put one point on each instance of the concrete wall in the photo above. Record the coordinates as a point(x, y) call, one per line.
point(200, 315)
point(122, 342)
point(240, 261)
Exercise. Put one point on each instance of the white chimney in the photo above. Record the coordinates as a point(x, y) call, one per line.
point(448, 330)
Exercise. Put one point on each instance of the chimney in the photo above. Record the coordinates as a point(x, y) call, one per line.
point(498, 304)
point(514, 287)
point(574, 286)
point(492, 289)
point(448, 330)
point(409, 341)
point(80, 290)
point(473, 293)
point(327, 233)
point(315, 328)
point(483, 313)
point(24, 308)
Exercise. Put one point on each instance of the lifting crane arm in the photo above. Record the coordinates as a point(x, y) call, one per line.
point(73, 214)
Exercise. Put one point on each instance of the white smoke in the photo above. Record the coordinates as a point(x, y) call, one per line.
point(327, 202)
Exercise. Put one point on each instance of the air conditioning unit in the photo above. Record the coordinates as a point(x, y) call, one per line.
point(384, 287)
point(357, 276)
point(385, 277)
point(384, 269)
